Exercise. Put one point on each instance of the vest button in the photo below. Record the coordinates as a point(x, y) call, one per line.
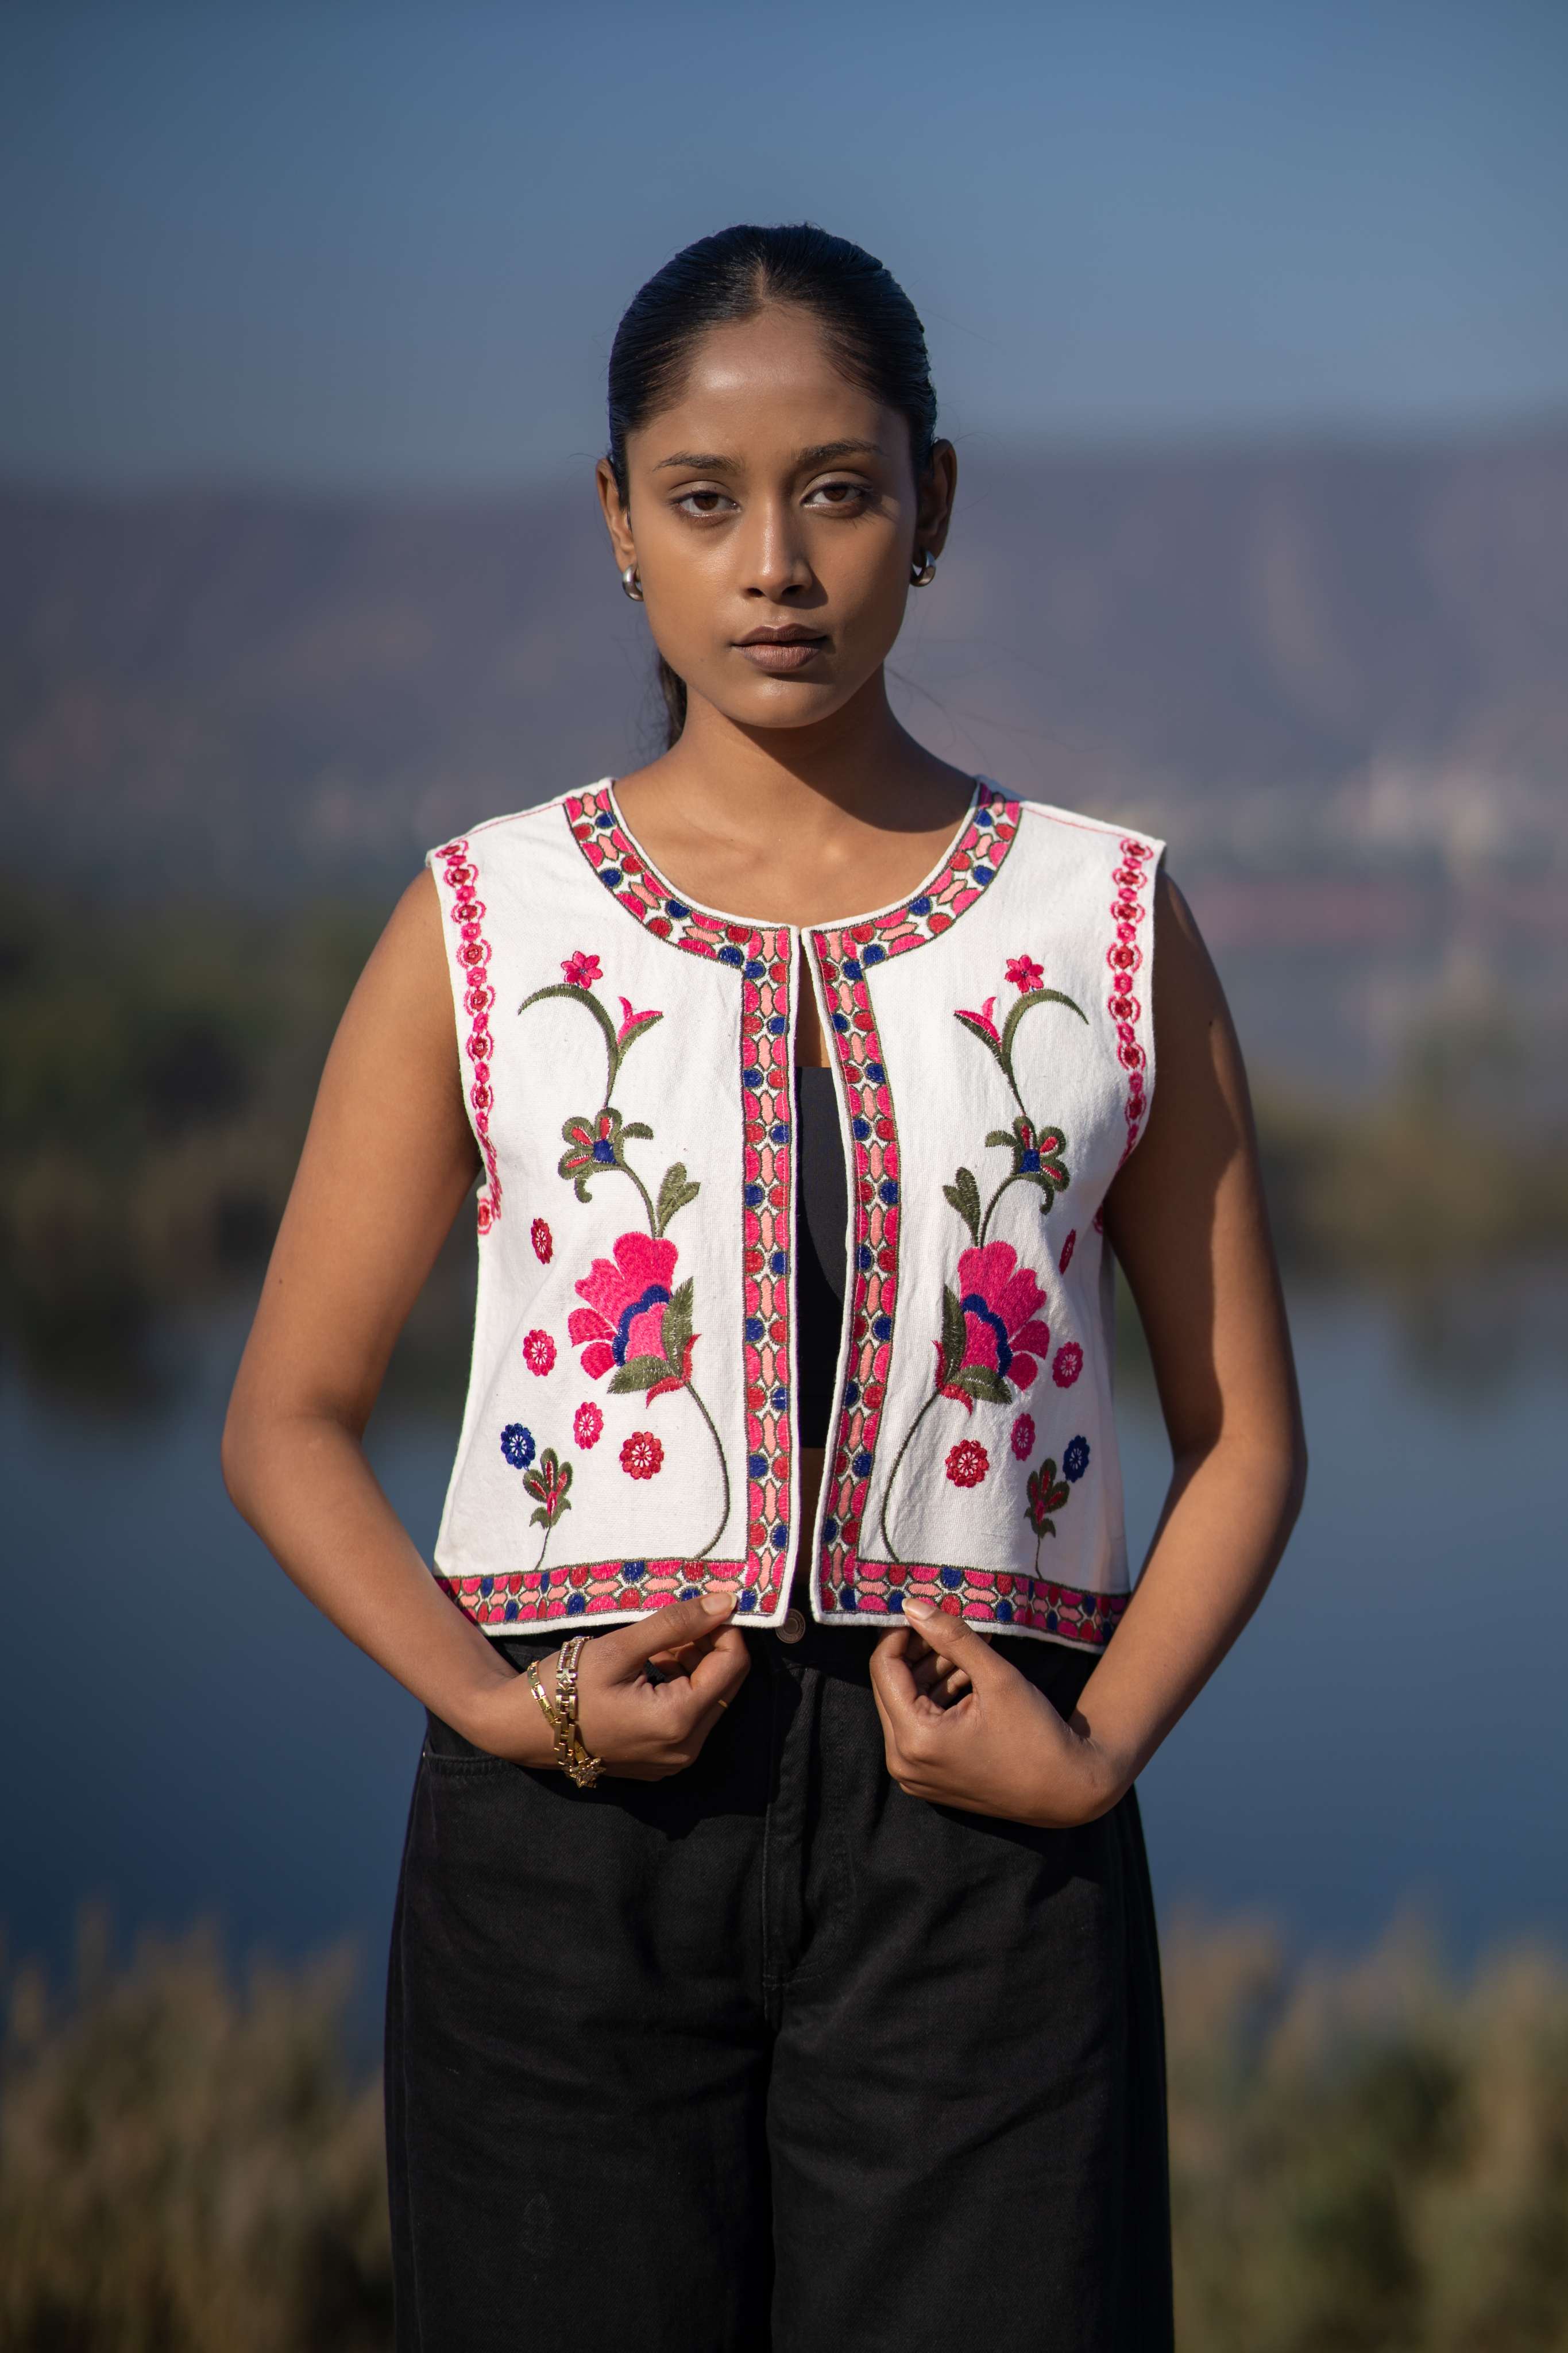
point(794, 1627)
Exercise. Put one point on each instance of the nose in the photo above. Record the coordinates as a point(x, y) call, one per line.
point(773, 554)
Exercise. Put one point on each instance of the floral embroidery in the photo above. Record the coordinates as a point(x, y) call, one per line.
point(517, 1445)
point(1066, 1365)
point(637, 1323)
point(1036, 1151)
point(1048, 1494)
point(1075, 1461)
point(473, 957)
point(624, 1315)
point(642, 1456)
point(1023, 1437)
point(1068, 1249)
point(1125, 958)
point(990, 1335)
point(538, 1352)
point(967, 1462)
point(587, 1425)
point(540, 1235)
point(990, 1346)
point(548, 1485)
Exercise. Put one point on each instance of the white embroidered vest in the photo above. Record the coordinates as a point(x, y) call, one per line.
point(629, 1434)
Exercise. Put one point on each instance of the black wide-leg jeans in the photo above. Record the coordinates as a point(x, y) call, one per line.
point(770, 2055)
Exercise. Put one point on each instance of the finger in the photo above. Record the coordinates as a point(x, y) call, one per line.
point(627, 1649)
point(894, 1668)
point(722, 1670)
point(960, 1645)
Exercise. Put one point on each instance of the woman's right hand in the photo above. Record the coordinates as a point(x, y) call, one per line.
point(643, 1730)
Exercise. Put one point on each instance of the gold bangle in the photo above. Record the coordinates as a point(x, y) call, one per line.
point(571, 1753)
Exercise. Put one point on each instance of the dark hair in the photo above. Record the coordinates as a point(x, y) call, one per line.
point(871, 326)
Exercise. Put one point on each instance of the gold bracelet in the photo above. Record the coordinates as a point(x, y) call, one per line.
point(571, 1753)
point(536, 1686)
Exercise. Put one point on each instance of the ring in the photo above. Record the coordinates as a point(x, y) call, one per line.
point(723, 1703)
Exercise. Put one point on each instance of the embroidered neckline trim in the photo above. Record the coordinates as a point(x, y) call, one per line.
point(970, 861)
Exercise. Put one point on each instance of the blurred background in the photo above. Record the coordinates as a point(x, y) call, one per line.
point(1250, 327)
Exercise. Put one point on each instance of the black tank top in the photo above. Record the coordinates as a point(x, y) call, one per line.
point(822, 1215)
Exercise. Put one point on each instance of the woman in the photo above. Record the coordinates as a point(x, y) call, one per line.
point(778, 1965)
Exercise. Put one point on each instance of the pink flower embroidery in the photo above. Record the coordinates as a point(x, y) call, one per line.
point(1068, 1249)
point(1068, 1365)
point(990, 1334)
point(967, 1462)
point(587, 1425)
point(642, 1456)
point(542, 1241)
point(1024, 973)
point(625, 1314)
point(581, 970)
point(632, 1023)
point(1023, 1437)
point(538, 1352)
point(983, 1021)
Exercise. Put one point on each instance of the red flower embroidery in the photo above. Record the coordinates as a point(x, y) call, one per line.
point(1068, 1249)
point(625, 1314)
point(538, 1351)
point(1068, 1365)
point(587, 1425)
point(1023, 1436)
point(990, 1334)
point(982, 1021)
point(968, 1463)
point(542, 1241)
point(642, 1455)
point(582, 971)
point(633, 1024)
point(1024, 973)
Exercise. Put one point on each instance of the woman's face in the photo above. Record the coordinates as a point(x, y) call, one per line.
point(773, 515)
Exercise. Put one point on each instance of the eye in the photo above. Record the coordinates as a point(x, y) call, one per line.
point(840, 496)
point(703, 502)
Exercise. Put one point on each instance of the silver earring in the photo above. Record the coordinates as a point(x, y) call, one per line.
point(631, 584)
point(922, 573)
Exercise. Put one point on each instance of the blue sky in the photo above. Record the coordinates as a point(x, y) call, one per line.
point(388, 244)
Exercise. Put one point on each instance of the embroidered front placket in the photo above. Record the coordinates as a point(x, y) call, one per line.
point(629, 1431)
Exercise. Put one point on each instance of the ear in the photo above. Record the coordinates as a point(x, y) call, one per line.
point(933, 510)
point(618, 521)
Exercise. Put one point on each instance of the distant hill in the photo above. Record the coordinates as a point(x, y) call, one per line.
point(1269, 654)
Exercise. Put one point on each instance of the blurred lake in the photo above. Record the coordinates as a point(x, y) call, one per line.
point(181, 1733)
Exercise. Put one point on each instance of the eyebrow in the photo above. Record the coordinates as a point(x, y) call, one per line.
point(822, 453)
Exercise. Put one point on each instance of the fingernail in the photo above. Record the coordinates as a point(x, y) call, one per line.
point(919, 1609)
point(718, 1605)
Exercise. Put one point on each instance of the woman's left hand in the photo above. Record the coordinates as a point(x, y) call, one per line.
point(1001, 1749)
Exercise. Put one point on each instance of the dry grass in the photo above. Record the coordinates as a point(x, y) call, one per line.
point(1367, 2157)
point(186, 2165)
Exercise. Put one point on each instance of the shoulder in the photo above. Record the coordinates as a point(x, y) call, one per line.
point(491, 836)
point(1044, 818)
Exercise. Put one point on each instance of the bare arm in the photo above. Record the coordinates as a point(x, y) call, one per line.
point(1186, 1217)
point(388, 1161)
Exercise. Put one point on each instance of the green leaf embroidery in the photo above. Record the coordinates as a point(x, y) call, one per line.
point(641, 1373)
point(1026, 1004)
point(963, 1193)
point(952, 1333)
point(675, 1191)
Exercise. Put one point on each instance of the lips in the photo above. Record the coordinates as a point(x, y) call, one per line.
point(781, 650)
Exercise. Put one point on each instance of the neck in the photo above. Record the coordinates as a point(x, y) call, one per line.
point(858, 763)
